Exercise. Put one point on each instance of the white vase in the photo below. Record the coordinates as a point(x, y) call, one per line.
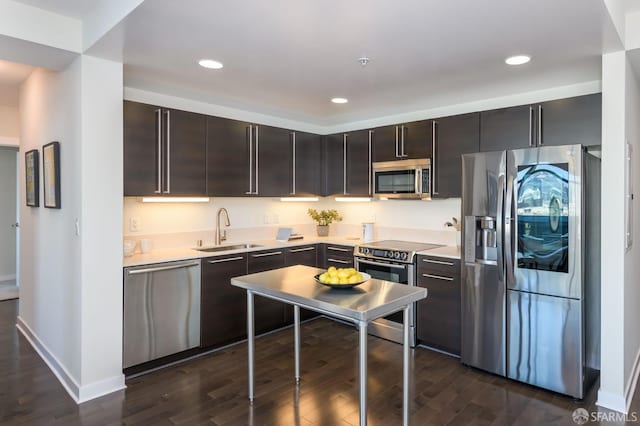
point(323, 230)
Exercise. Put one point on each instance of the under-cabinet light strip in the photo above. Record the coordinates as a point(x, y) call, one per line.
point(175, 199)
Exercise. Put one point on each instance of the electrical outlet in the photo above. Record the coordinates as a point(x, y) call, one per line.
point(134, 224)
point(265, 218)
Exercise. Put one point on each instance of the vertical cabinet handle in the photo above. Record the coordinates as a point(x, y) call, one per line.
point(168, 159)
point(257, 159)
point(403, 154)
point(344, 164)
point(159, 147)
point(530, 126)
point(293, 171)
point(370, 159)
point(540, 141)
point(397, 149)
point(434, 165)
point(250, 140)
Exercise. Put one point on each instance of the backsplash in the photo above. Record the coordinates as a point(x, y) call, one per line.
point(182, 224)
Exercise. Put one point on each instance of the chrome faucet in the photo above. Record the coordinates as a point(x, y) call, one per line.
point(221, 236)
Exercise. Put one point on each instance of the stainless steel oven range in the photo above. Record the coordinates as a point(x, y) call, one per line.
point(393, 261)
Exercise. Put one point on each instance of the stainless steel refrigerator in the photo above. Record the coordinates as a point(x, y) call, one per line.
point(531, 265)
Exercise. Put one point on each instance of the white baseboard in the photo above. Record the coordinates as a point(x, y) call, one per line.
point(7, 277)
point(611, 401)
point(618, 402)
point(78, 393)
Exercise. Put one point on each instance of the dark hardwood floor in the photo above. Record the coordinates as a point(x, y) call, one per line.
point(212, 389)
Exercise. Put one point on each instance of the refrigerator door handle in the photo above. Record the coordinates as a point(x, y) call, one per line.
point(509, 246)
point(500, 227)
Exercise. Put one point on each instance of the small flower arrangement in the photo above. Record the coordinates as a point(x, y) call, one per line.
point(324, 217)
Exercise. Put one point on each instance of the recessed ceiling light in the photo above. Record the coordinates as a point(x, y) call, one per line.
point(339, 100)
point(517, 60)
point(210, 63)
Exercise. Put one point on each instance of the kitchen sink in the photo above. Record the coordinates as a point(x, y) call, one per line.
point(227, 248)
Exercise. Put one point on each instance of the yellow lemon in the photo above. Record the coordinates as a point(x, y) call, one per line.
point(354, 279)
point(331, 268)
point(324, 277)
point(343, 273)
point(344, 281)
point(334, 280)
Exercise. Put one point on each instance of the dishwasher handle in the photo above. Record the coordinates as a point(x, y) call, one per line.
point(162, 268)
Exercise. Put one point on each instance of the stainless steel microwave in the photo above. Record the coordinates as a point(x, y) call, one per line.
point(402, 179)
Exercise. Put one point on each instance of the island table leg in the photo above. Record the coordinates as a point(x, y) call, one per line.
point(296, 333)
point(250, 340)
point(405, 369)
point(362, 326)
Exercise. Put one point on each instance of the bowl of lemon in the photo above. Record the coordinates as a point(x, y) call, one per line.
point(342, 277)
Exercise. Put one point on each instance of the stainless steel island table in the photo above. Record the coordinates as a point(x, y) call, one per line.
point(373, 299)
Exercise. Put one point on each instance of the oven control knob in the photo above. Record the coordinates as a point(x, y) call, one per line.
point(365, 250)
point(390, 254)
point(397, 255)
point(404, 256)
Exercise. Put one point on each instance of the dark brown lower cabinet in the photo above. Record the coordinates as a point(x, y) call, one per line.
point(268, 314)
point(438, 316)
point(302, 255)
point(338, 256)
point(223, 309)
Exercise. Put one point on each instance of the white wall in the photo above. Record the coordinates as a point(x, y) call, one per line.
point(101, 238)
point(50, 253)
point(632, 256)
point(71, 282)
point(164, 218)
point(620, 342)
point(9, 121)
point(7, 213)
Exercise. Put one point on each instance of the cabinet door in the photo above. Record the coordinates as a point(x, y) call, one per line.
point(334, 157)
point(438, 315)
point(141, 148)
point(385, 141)
point(415, 139)
point(455, 136)
point(186, 158)
point(303, 255)
point(274, 161)
point(358, 163)
point(223, 310)
point(308, 164)
point(571, 121)
point(506, 128)
point(268, 314)
point(227, 157)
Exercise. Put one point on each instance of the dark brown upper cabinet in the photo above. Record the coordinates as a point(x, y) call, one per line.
point(347, 165)
point(273, 164)
point(570, 121)
point(576, 120)
point(306, 164)
point(245, 159)
point(453, 136)
point(164, 151)
point(228, 157)
point(403, 141)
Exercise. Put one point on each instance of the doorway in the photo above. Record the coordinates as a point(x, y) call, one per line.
point(8, 223)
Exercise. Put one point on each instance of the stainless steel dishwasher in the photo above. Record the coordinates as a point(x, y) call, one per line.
point(161, 310)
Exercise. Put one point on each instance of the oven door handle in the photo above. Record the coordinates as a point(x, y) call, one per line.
point(377, 263)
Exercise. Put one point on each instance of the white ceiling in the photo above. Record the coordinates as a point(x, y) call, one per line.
point(78, 9)
point(288, 58)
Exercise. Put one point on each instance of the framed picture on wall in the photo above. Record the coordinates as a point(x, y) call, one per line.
point(32, 163)
point(51, 174)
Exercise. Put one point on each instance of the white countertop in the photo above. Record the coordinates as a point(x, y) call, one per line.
point(185, 253)
point(451, 252)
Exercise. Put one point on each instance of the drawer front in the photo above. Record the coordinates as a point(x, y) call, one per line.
point(339, 252)
point(302, 255)
point(439, 266)
point(339, 262)
point(438, 315)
